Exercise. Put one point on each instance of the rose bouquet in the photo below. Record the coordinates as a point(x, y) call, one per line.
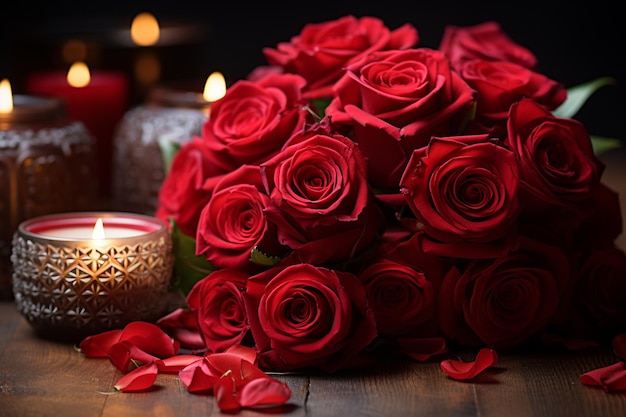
point(359, 193)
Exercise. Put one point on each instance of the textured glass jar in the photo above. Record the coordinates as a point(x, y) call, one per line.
point(69, 286)
point(46, 166)
point(170, 114)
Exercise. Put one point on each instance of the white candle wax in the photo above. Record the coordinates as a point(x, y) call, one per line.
point(94, 227)
point(84, 233)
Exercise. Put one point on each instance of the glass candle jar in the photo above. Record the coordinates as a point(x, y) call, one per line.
point(169, 114)
point(46, 166)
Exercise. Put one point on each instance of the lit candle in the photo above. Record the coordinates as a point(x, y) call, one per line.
point(184, 96)
point(98, 99)
point(172, 114)
point(27, 112)
point(46, 166)
point(82, 273)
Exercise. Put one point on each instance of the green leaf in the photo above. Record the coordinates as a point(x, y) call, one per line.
point(261, 258)
point(602, 144)
point(578, 95)
point(168, 150)
point(320, 105)
point(188, 268)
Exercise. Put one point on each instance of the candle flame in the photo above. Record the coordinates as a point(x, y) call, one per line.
point(6, 97)
point(98, 231)
point(144, 30)
point(215, 87)
point(78, 75)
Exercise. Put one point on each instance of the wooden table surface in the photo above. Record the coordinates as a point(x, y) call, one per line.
point(45, 378)
point(39, 377)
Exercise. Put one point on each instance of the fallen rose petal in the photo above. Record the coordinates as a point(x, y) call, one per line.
point(264, 391)
point(138, 379)
point(226, 395)
point(460, 370)
point(182, 325)
point(150, 338)
point(422, 349)
point(610, 377)
point(244, 352)
point(176, 363)
point(242, 370)
point(189, 339)
point(616, 381)
point(98, 345)
point(124, 354)
point(186, 374)
point(619, 346)
point(178, 318)
point(197, 377)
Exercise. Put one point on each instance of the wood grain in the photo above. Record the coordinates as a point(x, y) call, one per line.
point(44, 378)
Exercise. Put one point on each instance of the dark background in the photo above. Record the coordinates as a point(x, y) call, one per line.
point(573, 42)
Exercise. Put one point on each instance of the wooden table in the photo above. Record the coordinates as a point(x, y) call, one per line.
point(44, 378)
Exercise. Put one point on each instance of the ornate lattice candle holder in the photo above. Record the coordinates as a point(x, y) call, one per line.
point(46, 166)
point(70, 283)
point(171, 114)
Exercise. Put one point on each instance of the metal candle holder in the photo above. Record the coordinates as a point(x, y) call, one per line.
point(68, 288)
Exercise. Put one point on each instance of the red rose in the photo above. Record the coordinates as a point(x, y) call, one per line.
point(323, 204)
point(605, 224)
point(392, 102)
point(254, 120)
point(557, 163)
point(217, 301)
point(234, 221)
point(503, 302)
point(321, 50)
point(305, 316)
point(601, 290)
point(483, 41)
point(463, 192)
point(401, 283)
point(182, 195)
point(499, 84)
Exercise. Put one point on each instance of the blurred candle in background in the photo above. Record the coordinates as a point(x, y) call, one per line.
point(99, 99)
point(171, 114)
point(144, 30)
point(46, 166)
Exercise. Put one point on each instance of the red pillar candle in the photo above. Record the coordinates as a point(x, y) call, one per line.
point(100, 105)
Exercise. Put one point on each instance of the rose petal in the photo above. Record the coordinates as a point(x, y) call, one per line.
point(124, 354)
point(619, 346)
point(189, 339)
point(466, 370)
point(138, 379)
point(176, 363)
point(242, 370)
point(226, 394)
point(616, 381)
point(197, 377)
point(149, 338)
point(264, 391)
point(244, 352)
point(422, 349)
point(178, 318)
point(611, 378)
point(98, 345)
